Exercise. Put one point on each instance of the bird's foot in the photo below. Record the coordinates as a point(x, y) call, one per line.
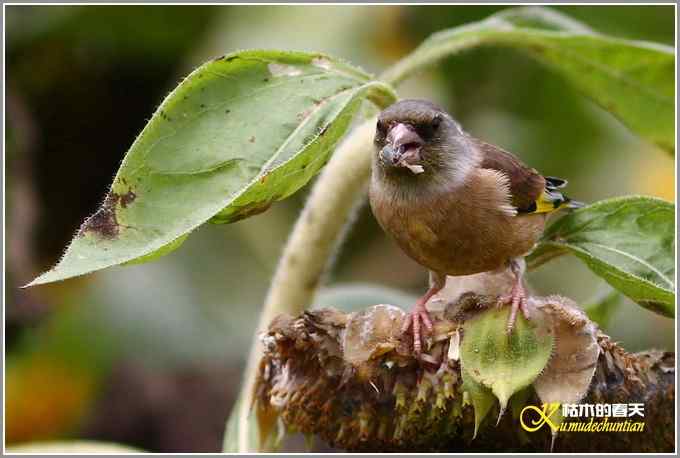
point(418, 315)
point(518, 301)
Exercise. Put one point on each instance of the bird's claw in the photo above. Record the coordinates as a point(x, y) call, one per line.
point(518, 301)
point(413, 320)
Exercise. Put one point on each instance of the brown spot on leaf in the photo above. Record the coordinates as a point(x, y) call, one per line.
point(104, 221)
point(252, 139)
point(127, 198)
point(658, 307)
point(247, 211)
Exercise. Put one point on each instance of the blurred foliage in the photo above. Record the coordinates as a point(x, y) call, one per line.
point(81, 83)
point(602, 307)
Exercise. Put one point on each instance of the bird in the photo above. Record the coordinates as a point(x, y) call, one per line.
point(455, 204)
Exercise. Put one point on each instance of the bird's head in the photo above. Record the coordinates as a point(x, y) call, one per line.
point(415, 137)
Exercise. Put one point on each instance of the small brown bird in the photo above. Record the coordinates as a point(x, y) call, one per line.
point(456, 204)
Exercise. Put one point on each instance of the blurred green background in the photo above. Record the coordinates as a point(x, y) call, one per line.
point(152, 355)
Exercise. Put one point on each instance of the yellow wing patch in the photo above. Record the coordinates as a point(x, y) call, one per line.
point(549, 202)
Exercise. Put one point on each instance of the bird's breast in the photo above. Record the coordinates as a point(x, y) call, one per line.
point(456, 232)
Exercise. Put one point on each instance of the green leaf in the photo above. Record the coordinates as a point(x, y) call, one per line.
point(162, 251)
point(628, 241)
point(481, 397)
point(237, 134)
point(503, 362)
point(634, 80)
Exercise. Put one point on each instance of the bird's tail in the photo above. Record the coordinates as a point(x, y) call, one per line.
point(573, 204)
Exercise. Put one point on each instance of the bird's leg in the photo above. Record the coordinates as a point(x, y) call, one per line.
point(517, 297)
point(420, 314)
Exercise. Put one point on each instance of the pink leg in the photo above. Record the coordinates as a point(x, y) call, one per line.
point(517, 297)
point(420, 313)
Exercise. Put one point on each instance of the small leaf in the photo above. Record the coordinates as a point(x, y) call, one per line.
point(628, 241)
point(633, 80)
point(237, 134)
point(481, 397)
point(505, 363)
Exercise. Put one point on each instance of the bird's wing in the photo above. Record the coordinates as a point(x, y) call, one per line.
point(526, 184)
point(530, 191)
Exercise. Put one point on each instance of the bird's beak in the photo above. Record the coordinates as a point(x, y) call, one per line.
point(402, 148)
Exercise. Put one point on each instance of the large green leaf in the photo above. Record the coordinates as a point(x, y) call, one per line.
point(633, 80)
point(238, 133)
point(628, 241)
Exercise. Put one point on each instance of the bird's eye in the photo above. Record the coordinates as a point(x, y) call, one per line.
point(436, 121)
point(426, 130)
point(380, 132)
